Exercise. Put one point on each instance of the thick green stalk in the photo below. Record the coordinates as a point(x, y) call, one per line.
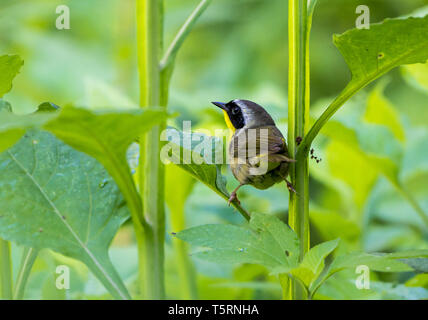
point(298, 120)
point(5, 270)
point(28, 258)
point(151, 177)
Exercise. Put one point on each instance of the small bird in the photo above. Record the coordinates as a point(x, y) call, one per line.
point(258, 153)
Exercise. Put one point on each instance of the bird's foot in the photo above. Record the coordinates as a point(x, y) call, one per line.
point(290, 187)
point(233, 197)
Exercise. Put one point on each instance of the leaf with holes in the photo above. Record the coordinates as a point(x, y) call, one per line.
point(52, 196)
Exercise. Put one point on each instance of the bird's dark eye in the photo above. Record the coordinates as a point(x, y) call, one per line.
point(235, 115)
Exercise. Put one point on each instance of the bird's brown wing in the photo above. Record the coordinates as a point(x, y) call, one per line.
point(263, 147)
point(259, 143)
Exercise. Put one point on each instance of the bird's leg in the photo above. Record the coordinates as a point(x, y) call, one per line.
point(233, 195)
point(290, 187)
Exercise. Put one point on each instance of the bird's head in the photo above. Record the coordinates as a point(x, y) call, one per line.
point(240, 114)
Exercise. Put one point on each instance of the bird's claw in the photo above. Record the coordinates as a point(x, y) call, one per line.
point(232, 198)
point(290, 187)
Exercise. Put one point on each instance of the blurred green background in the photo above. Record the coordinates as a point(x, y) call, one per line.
point(238, 49)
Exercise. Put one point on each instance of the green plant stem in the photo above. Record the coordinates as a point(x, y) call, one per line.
point(344, 96)
point(28, 257)
point(171, 52)
point(304, 148)
point(5, 270)
point(151, 173)
point(298, 119)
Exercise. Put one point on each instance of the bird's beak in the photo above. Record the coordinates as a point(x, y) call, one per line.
point(221, 105)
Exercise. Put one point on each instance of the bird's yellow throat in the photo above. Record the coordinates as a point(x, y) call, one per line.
point(228, 122)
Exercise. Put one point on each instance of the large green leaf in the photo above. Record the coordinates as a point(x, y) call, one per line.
point(266, 241)
point(106, 136)
point(197, 153)
point(55, 197)
point(376, 262)
point(12, 126)
point(313, 262)
point(9, 68)
point(370, 53)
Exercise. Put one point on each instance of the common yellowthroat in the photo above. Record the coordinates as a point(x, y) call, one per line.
point(258, 153)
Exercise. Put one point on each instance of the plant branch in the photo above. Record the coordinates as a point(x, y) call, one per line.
point(175, 45)
point(344, 96)
point(298, 120)
point(151, 173)
point(28, 258)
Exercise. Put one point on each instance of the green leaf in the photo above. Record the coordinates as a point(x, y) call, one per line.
point(55, 197)
point(196, 153)
point(419, 280)
point(106, 136)
point(9, 68)
point(313, 262)
point(416, 259)
point(373, 52)
point(266, 241)
point(376, 262)
point(12, 126)
point(370, 53)
point(417, 264)
point(383, 262)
